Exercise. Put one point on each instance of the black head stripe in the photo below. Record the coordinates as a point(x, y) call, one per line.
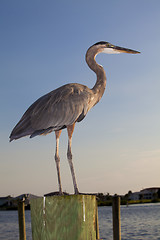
point(100, 43)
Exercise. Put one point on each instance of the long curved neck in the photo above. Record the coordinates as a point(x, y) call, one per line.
point(100, 84)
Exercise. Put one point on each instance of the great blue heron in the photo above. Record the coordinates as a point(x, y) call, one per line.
point(64, 106)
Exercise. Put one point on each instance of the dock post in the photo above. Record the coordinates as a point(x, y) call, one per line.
point(21, 219)
point(64, 217)
point(97, 225)
point(116, 218)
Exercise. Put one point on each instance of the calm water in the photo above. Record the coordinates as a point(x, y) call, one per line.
point(138, 222)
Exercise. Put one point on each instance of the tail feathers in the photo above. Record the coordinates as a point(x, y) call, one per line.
point(22, 129)
point(32, 133)
point(42, 132)
point(15, 137)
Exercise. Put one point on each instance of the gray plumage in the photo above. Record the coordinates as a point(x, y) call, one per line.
point(63, 107)
point(54, 111)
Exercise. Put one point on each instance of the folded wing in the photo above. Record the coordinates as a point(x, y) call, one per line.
point(54, 111)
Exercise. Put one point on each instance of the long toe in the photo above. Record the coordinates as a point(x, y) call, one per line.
point(76, 192)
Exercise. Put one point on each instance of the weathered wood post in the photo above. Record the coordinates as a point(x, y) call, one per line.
point(116, 218)
point(64, 217)
point(97, 225)
point(21, 219)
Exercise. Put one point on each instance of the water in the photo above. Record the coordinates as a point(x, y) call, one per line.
point(138, 222)
point(9, 229)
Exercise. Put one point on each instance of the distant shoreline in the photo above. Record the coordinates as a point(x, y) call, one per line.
point(99, 202)
point(128, 202)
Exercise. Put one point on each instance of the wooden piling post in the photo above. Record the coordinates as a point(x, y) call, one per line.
point(21, 219)
point(97, 225)
point(64, 217)
point(116, 218)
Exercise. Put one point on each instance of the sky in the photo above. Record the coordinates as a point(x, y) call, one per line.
point(116, 148)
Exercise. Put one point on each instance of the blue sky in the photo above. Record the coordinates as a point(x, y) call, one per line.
point(43, 45)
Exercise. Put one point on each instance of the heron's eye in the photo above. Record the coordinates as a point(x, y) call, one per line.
point(107, 45)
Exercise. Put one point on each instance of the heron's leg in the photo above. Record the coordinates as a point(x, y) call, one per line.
point(70, 130)
point(57, 159)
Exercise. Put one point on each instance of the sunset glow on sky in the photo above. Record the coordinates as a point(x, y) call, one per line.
point(116, 148)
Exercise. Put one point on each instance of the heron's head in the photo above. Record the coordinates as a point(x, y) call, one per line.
point(106, 47)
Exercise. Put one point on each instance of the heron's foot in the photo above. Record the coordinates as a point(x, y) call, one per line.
point(60, 193)
point(76, 192)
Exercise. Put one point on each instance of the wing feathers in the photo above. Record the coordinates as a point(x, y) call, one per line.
point(54, 111)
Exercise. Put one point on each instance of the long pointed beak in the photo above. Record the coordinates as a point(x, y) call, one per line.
point(124, 50)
